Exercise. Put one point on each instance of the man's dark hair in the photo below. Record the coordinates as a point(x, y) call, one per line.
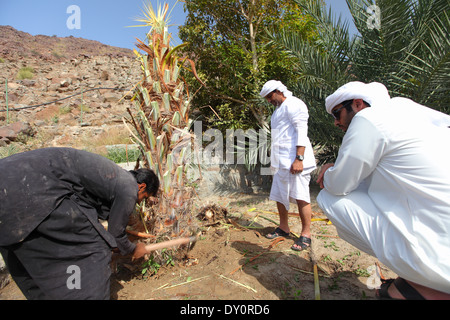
point(348, 104)
point(148, 177)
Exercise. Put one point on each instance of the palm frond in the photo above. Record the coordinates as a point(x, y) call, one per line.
point(154, 19)
point(408, 52)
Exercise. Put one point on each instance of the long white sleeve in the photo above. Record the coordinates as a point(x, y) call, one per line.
point(299, 115)
point(362, 147)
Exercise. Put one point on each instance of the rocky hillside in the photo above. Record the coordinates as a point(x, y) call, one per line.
point(42, 69)
point(21, 44)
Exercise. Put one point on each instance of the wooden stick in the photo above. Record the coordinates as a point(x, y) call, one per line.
point(141, 234)
point(171, 243)
point(238, 283)
point(180, 284)
point(312, 254)
point(316, 283)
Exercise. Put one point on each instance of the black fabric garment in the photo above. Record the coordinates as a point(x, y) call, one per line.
point(34, 183)
point(63, 258)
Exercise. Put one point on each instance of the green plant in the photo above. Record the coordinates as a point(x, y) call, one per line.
point(160, 123)
point(409, 53)
point(297, 294)
point(64, 109)
point(9, 150)
point(84, 108)
point(332, 245)
point(150, 266)
point(25, 73)
point(334, 284)
point(57, 54)
point(362, 272)
point(228, 40)
point(123, 154)
point(167, 257)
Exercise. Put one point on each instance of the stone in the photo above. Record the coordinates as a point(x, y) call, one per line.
point(7, 133)
point(13, 85)
point(3, 143)
point(53, 87)
point(104, 76)
point(11, 132)
point(110, 97)
point(28, 83)
point(66, 82)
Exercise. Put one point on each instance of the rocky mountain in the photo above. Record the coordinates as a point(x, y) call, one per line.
point(65, 74)
point(21, 44)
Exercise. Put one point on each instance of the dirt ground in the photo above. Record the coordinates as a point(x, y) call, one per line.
point(233, 260)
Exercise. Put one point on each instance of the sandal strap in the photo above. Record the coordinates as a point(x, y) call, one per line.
point(281, 232)
point(277, 233)
point(304, 240)
point(383, 291)
point(407, 291)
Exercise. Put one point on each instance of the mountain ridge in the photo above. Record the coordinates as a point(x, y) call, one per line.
point(18, 43)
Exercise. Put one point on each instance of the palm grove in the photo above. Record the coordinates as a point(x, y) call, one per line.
point(239, 44)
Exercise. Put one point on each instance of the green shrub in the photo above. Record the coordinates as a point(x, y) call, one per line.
point(120, 155)
point(25, 73)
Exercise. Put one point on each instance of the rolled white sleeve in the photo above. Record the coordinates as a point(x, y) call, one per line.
point(361, 150)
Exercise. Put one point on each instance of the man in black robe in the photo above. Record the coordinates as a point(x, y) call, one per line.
point(51, 239)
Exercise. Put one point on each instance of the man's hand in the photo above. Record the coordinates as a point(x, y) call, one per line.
point(139, 251)
point(324, 168)
point(296, 167)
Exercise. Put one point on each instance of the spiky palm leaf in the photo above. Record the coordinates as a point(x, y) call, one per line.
point(410, 50)
point(409, 53)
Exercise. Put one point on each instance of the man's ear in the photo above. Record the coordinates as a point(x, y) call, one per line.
point(142, 186)
point(359, 104)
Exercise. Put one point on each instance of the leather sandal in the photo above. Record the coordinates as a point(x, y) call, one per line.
point(405, 289)
point(277, 233)
point(302, 242)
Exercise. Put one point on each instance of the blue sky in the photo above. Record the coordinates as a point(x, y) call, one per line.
point(102, 20)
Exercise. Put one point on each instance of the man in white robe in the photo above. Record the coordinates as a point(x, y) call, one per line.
point(388, 193)
point(292, 159)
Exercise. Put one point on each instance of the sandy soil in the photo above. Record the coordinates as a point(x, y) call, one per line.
point(233, 260)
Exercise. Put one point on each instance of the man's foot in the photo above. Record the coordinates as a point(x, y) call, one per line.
point(301, 243)
point(398, 289)
point(277, 233)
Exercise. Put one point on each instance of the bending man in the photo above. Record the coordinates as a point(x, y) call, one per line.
point(292, 158)
point(50, 237)
point(388, 193)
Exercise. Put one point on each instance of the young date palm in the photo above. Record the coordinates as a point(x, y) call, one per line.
point(406, 48)
point(160, 119)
